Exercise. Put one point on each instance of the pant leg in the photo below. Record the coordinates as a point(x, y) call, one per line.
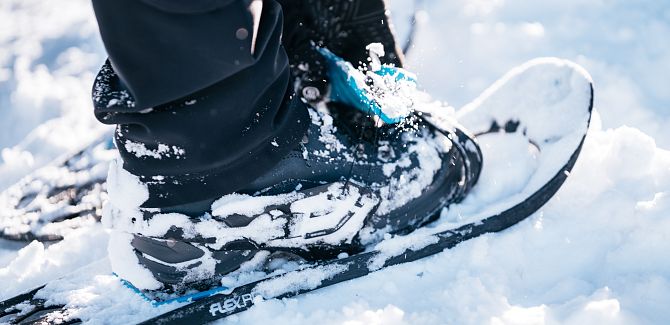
point(199, 91)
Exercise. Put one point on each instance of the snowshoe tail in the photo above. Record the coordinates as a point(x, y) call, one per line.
point(59, 197)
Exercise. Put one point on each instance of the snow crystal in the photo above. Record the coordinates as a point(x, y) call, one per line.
point(112, 102)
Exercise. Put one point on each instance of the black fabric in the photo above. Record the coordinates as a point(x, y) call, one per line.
point(167, 52)
point(345, 27)
point(211, 115)
point(187, 7)
point(300, 40)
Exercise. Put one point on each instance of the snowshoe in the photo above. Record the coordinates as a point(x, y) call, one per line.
point(531, 125)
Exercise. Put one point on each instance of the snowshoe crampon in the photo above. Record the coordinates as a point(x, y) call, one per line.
point(530, 125)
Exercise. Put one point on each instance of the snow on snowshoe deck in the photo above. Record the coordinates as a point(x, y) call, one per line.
point(526, 124)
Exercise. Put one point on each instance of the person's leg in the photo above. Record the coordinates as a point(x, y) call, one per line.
point(200, 93)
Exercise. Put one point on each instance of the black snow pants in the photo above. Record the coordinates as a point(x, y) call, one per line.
point(201, 93)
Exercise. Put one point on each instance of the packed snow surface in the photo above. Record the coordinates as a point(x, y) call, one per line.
point(596, 253)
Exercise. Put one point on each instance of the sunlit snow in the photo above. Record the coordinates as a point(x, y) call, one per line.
point(597, 253)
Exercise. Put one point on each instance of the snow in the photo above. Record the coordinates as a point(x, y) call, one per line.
point(623, 45)
point(125, 263)
point(558, 111)
point(327, 210)
point(163, 150)
point(89, 166)
point(375, 51)
point(247, 205)
point(298, 281)
point(411, 182)
point(388, 92)
point(38, 263)
point(126, 194)
point(596, 253)
point(334, 208)
point(49, 54)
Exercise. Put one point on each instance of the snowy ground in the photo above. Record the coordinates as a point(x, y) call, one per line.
point(597, 253)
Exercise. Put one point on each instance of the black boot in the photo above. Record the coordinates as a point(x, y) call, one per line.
point(343, 187)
